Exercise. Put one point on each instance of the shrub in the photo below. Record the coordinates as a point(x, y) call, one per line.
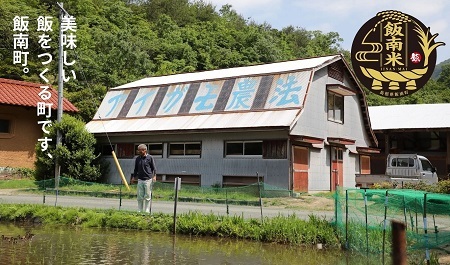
point(383, 185)
point(421, 186)
point(25, 172)
point(76, 154)
point(444, 186)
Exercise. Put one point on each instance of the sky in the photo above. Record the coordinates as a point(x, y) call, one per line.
point(344, 16)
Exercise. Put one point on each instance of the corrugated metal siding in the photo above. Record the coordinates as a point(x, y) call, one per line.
point(212, 165)
point(319, 169)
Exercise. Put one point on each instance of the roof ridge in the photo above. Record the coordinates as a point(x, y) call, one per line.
point(237, 71)
point(22, 93)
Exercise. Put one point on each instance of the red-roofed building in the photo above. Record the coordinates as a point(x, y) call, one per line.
point(19, 128)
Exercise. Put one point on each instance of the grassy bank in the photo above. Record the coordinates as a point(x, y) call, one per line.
point(281, 229)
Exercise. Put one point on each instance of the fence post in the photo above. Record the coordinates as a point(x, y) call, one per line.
point(120, 196)
point(417, 223)
point(425, 228)
point(226, 200)
point(367, 231)
point(346, 219)
point(435, 229)
point(399, 256)
point(43, 195)
point(260, 199)
point(385, 221)
point(336, 199)
point(177, 187)
point(404, 212)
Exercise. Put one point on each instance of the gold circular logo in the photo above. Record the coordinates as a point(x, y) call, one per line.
point(394, 54)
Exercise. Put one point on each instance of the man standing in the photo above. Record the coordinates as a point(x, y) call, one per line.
point(145, 171)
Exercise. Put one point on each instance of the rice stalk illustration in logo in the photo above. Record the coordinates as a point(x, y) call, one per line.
point(394, 54)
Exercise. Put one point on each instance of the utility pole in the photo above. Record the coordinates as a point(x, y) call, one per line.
point(60, 96)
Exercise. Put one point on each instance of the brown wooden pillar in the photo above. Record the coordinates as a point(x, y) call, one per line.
point(448, 154)
point(399, 256)
point(387, 144)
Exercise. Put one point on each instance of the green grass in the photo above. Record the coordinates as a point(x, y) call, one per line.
point(325, 194)
point(280, 229)
point(18, 184)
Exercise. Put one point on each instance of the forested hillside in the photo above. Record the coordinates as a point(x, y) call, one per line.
point(437, 71)
point(121, 41)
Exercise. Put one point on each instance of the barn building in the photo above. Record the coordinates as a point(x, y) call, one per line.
point(301, 125)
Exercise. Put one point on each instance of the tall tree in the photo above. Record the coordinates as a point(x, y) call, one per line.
point(444, 76)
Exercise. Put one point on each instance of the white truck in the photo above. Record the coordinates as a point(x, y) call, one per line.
point(401, 169)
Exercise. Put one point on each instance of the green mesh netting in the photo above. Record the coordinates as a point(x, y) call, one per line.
point(363, 219)
point(247, 195)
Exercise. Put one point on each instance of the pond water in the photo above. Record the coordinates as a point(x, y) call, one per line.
point(74, 245)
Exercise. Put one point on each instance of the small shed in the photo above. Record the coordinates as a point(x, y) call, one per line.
point(301, 125)
point(414, 128)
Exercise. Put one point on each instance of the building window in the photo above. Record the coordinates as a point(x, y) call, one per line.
point(194, 180)
point(426, 165)
point(124, 150)
point(402, 162)
point(243, 148)
point(154, 149)
point(136, 152)
point(365, 164)
point(338, 154)
point(335, 107)
point(236, 181)
point(274, 149)
point(5, 126)
point(185, 149)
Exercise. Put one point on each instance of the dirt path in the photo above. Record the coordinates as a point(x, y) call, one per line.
point(9, 191)
point(305, 202)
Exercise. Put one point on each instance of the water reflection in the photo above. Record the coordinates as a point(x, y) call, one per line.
point(74, 245)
